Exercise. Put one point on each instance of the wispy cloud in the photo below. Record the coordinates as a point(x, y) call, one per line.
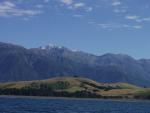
point(79, 5)
point(116, 3)
point(67, 2)
point(138, 18)
point(118, 26)
point(116, 11)
point(8, 8)
point(119, 9)
point(73, 5)
point(133, 26)
point(118, 6)
point(145, 19)
point(132, 17)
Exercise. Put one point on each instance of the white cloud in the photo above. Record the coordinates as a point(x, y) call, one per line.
point(79, 5)
point(11, 8)
point(133, 26)
point(132, 17)
point(116, 3)
point(67, 2)
point(138, 18)
point(8, 8)
point(145, 19)
point(73, 5)
point(108, 25)
point(118, 26)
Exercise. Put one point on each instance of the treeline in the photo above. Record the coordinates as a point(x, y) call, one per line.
point(52, 93)
point(44, 92)
point(45, 89)
point(146, 96)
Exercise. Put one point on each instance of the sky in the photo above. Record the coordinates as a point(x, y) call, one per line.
point(93, 26)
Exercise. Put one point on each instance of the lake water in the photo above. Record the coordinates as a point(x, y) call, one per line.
point(34, 105)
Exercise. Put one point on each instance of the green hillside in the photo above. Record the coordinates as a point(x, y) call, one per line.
point(74, 87)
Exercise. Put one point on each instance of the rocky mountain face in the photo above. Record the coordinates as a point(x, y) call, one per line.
point(18, 63)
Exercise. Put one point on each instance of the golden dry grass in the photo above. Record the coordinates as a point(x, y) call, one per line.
point(82, 84)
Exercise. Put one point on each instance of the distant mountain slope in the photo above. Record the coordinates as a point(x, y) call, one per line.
point(73, 87)
point(18, 63)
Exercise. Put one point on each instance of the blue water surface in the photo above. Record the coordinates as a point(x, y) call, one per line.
point(47, 105)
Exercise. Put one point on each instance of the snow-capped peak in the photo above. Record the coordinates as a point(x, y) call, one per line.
point(50, 46)
point(75, 50)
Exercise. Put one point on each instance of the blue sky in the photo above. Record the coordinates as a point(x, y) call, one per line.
point(94, 26)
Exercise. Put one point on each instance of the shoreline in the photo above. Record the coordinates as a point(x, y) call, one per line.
point(72, 98)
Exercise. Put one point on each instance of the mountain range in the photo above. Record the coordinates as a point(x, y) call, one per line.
point(18, 64)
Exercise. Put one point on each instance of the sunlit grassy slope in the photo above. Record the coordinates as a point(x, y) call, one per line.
point(74, 87)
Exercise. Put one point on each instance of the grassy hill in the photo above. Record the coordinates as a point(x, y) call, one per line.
point(74, 87)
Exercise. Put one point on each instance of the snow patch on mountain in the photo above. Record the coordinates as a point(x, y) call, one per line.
point(50, 46)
